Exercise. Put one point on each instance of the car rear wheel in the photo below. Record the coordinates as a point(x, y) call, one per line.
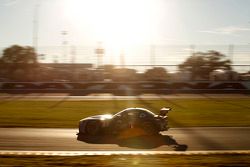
point(149, 128)
point(93, 127)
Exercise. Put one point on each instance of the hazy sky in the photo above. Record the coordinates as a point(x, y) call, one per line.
point(125, 22)
point(120, 24)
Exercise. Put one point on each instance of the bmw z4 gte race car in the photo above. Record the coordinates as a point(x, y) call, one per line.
point(127, 119)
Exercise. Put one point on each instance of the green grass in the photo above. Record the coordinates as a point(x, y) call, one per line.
point(66, 114)
point(129, 160)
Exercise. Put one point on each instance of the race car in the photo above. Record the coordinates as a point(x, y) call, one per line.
point(125, 120)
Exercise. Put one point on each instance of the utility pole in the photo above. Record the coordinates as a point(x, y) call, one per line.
point(100, 54)
point(73, 56)
point(64, 45)
point(36, 24)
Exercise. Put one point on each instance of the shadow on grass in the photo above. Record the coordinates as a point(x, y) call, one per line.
point(138, 142)
point(116, 105)
point(59, 102)
point(170, 101)
point(225, 101)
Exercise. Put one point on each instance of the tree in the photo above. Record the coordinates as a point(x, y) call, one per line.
point(18, 59)
point(156, 74)
point(19, 55)
point(123, 74)
point(201, 64)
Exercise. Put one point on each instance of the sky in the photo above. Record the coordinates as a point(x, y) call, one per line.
point(121, 24)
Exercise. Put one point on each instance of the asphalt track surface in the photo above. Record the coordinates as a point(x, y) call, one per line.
point(181, 139)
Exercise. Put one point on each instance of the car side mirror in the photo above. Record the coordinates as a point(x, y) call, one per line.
point(164, 111)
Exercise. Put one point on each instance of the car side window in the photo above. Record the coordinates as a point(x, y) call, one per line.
point(131, 114)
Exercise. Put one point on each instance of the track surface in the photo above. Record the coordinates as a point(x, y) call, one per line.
point(216, 138)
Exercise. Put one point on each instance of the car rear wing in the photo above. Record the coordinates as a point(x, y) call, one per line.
point(164, 111)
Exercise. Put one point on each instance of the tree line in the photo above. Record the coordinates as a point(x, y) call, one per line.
point(20, 63)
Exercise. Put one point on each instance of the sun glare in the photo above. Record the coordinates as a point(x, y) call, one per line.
point(117, 23)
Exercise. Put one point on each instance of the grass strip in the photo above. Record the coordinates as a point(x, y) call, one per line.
point(129, 160)
point(66, 114)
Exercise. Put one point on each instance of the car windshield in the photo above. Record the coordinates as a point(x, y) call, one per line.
point(134, 110)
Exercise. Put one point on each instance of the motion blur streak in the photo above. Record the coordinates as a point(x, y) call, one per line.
point(106, 96)
point(79, 153)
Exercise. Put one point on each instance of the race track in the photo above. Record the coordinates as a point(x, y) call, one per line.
point(190, 139)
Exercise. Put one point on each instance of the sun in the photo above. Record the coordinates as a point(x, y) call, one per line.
point(117, 23)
